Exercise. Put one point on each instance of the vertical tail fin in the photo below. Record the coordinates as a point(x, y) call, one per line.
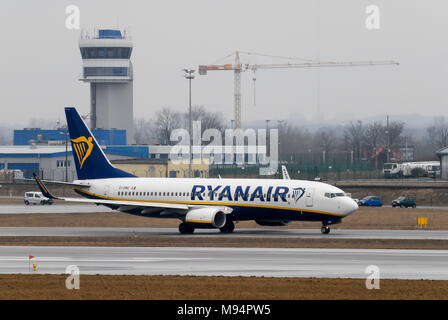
point(89, 158)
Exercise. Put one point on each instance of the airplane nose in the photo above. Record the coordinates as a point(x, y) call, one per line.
point(350, 206)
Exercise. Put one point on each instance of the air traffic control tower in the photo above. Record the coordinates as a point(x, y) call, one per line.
point(107, 67)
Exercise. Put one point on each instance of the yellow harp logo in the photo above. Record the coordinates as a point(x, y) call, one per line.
point(83, 148)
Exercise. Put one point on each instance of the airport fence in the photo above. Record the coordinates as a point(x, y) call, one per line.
point(302, 171)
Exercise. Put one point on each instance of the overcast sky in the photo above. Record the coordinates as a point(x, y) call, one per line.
point(40, 60)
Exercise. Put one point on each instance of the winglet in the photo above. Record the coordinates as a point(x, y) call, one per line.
point(43, 188)
point(285, 173)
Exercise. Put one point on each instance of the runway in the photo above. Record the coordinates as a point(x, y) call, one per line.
point(297, 262)
point(61, 207)
point(246, 233)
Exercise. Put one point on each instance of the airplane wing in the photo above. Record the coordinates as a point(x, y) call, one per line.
point(182, 208)
point(124, 203)
point(58, 182)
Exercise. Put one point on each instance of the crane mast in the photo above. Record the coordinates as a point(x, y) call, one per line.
point(237, 92)
point(238, 68)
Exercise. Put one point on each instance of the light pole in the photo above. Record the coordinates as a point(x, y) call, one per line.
point(267, 134)
point(189, 75)
point(280, 133)
point(388, 139)
point(66, 154)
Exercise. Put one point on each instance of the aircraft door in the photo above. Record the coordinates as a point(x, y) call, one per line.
point(309, 197)
point(106, 190)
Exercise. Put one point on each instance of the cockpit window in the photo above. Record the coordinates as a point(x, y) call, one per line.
point(334, 195)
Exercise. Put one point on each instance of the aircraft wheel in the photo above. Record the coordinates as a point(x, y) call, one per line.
point(185, 228)
point(228, 227)
point(325, 230)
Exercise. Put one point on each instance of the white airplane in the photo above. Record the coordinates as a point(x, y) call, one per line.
point(198, 203)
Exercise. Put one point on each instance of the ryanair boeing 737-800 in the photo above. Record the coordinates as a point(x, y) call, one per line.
point(197, 202)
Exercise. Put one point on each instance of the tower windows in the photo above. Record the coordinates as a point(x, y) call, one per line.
point(106, 52)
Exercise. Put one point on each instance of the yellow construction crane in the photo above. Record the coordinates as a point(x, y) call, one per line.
point(238, 68)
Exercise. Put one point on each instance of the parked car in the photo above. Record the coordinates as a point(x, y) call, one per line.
point(404, 201)
point(36, 198)
point(374, 201)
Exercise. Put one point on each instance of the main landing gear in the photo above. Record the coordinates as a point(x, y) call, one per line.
point(185, 228)
point(325, 230)
point(228, 227)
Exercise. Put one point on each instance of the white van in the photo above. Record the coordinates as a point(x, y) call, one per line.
point(36, 198)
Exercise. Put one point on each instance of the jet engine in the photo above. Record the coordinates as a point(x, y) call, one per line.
point(206, 217)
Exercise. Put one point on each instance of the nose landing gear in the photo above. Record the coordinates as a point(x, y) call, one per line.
point(325, 225)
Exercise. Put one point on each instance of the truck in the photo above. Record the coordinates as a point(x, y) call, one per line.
point(411, 169)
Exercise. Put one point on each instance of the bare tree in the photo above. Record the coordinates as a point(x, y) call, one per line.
point(395, 129)
point(355, 136)
point(292, 140)
point(325, 140)
point(438, 132)
point(166, 121)
point(209, 120)
point(42, 123)
point(6, 135)
point(373, 135)
point(144, 131)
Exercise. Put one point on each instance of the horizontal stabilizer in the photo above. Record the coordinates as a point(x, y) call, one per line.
point(43, 188)
point(58, 182)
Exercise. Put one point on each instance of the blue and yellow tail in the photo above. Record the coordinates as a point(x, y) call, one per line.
point(90, 160)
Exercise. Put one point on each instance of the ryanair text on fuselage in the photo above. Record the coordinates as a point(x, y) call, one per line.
point(246, 193)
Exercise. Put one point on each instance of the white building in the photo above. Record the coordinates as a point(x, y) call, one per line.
point(49, 162)
point(443, 155)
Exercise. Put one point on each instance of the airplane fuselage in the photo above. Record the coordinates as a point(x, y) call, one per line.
point(250, 199)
